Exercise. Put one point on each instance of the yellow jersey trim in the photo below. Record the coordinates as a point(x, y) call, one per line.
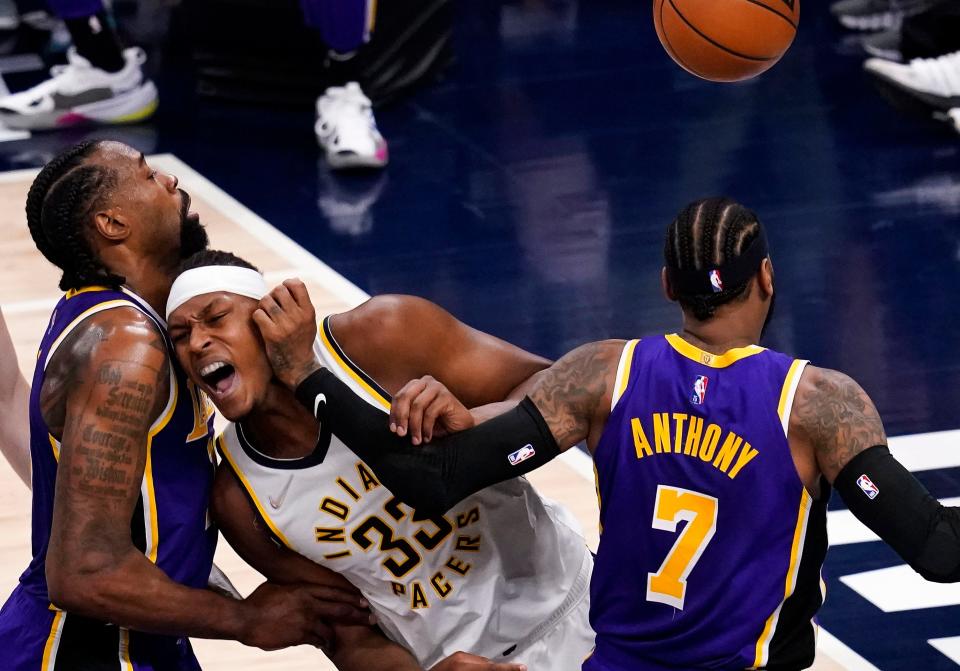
point(83, 290)
point(99, 307)
point(150, 498)
point(371, 17)
point(126, 664)
point(796, 552)
point(49, 657)
point(623, 372)
point(350, 370)
point(252, 495)
point(694, 353)
point(55, 444)
point(788, 391)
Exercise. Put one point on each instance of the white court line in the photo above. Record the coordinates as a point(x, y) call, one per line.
point(843, 528)
point(948, 646)
point(840, 653)
point(899, 588)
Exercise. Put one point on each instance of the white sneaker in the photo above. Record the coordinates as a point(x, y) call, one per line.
point(347, 130)
point(953, 116)
point(934, 81)
point(78, 93)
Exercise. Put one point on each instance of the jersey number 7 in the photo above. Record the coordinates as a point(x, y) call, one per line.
point(699, 511)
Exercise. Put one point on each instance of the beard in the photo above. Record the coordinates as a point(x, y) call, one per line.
point(193, 236)
point(766, 322)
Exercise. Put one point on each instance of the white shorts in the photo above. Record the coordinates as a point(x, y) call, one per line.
point(565, 645)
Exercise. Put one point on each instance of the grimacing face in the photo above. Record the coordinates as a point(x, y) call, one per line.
point(220, 348)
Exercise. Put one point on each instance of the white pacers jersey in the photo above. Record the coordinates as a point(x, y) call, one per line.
point(493, 574)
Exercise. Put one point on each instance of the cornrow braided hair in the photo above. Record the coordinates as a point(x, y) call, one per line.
point(59, 205)
point(706, 234)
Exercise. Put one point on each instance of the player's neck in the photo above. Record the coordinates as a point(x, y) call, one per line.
point(720, 334)
point(280, 427)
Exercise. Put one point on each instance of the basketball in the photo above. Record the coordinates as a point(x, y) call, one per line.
point(726, 40)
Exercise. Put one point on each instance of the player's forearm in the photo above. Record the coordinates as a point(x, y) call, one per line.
point(15, 427)
point(367, 649)
point(134, 593)
point(432, 477)
point(886, 497)
point(14, 406)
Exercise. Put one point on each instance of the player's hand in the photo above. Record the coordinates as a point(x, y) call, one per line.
point(424, 408)
point(462, 661)
point(288, 324)
point(279, 616)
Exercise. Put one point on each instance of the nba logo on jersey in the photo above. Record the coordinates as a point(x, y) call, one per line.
point(521, 455)
point(715, 281)
point(699, 390)
point(866, 484)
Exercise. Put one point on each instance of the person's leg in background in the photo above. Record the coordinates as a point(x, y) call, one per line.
point(102, 83)
point(345, 126)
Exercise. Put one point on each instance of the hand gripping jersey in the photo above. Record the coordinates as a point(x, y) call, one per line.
point(711, 547)
point(170, 524)
point(493, 574)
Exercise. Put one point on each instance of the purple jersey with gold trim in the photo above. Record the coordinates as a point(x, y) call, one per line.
point(170, 524)
point(711, 547)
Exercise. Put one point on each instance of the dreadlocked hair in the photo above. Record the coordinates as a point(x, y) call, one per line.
point(214, 257)
point(59, 204)
point(706, 234)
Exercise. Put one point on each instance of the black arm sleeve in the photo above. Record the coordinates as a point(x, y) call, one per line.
point(432, 477)
point(883, 494)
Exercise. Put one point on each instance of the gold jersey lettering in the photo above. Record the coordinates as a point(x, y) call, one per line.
point(692, 444)
point(329, 535)
point(468, 543)
point(336, 508)
point(725, 456)
point(640, 442)
point(458, 566)
point(470, 517)
point(440, 585)
point(418, 599)
point(348, 489)
point(398, 588)
point(745, 457)
point(679, 419)
point(710, 439)
point(661, 432)
point(367, 478)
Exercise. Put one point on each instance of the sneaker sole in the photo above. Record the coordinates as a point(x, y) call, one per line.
point(130, 107)
point(907, 100)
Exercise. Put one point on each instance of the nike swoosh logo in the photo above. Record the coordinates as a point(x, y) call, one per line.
point(275, 503)
point(316, 403)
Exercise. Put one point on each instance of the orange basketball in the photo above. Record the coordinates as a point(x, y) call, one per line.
point(726, 40)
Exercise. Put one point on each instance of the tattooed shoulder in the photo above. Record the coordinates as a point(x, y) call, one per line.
point(835, 414)
point(571, 392)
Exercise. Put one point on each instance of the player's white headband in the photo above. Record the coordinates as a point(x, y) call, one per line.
point(211, 279)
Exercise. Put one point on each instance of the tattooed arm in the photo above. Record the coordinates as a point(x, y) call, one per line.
point(833, 419)
point(14, 408)
point(104, 389)
point(839, 426)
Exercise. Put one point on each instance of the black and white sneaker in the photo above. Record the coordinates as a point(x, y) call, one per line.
point(934, 82)
point(877, 14)
point(79, 94)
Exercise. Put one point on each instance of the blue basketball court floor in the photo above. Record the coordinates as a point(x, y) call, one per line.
point(529, 192)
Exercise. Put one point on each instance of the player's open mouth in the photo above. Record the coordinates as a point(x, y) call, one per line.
point(219, 377)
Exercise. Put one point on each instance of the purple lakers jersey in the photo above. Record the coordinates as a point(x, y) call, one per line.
point(711, 547)
point(170, 524)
